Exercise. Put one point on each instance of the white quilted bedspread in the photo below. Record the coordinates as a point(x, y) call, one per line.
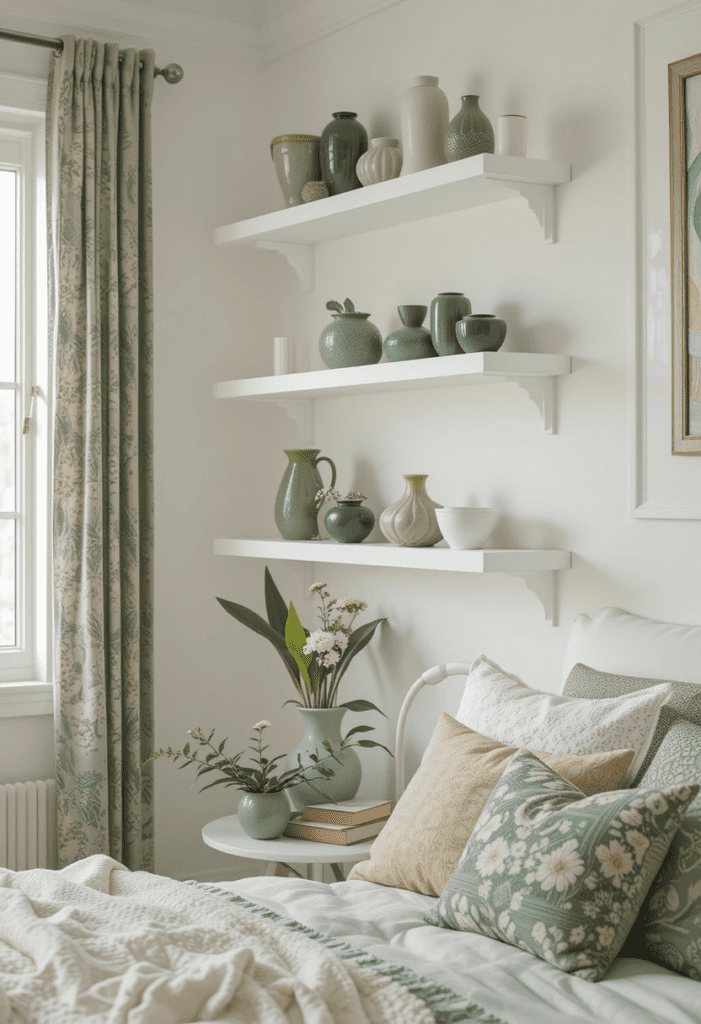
point(97, 943)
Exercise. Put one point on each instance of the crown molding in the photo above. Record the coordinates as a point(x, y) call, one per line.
point(314, 20)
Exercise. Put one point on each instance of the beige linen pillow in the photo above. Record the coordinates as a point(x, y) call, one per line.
point(421, 844)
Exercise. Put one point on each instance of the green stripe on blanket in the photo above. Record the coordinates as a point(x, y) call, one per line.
point(446, 1006)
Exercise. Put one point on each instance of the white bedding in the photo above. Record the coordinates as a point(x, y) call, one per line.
point(514, 986)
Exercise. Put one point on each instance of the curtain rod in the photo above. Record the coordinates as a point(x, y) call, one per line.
point(172, 73)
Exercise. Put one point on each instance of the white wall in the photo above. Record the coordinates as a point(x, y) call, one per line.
point(566, 65)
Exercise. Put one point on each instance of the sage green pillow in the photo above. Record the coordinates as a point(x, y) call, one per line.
point(558, 874)
point(668, 929)
point(682, 702)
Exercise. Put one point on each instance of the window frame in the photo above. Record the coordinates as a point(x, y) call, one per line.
point(26, 678)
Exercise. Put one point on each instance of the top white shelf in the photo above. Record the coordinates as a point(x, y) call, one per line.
point(474, 181)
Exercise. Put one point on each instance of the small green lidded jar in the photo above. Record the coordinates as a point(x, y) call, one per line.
point(351, 340)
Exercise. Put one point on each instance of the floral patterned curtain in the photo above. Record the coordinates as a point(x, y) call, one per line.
point(100, 301)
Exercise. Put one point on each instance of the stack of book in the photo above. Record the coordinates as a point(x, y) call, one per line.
point(344, 823)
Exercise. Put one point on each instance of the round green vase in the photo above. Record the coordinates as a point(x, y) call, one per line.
point(324, 724)
point(349, 521)
point(351, 340)
point(264, 815)
point(480, 332)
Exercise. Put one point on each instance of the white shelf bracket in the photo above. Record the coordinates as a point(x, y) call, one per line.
point(299, 256)
point(541, 391)
point(543, 585)
point(541, 202)
point(301, 410)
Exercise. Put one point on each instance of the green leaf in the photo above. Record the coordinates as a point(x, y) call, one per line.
point(335, 306)
point(358, 728)
point(371, 743)
point(275, 606)
point(296, 638)
point(258, 624)
point(361, 705)
point(358, 639)
point(350, 308)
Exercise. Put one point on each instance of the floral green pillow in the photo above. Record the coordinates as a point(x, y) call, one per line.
point(559, 874)
point(668, 929)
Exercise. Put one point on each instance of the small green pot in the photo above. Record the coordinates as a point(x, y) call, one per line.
point(349, 521)
point(264, 815)
point(351, 340)
point(480, 332)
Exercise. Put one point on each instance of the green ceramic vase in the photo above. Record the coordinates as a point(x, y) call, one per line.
point(446, 309)
point(343, 142)
point(295, 505)
point(351, 340)
point(412, 341)
point(264, 815)
point(470, 132)
point(324, 724)
point(480, 332)
point(349, 521)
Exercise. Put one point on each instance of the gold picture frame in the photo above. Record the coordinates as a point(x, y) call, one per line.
point(685, 194)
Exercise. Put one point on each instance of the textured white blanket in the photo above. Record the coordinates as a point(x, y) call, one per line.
point(97, 943)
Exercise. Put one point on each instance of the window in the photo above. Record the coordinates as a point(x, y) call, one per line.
point(24, 408)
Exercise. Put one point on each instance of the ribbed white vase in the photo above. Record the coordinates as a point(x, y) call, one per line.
point(424, 125)
point(382, 161)
point(411, 521)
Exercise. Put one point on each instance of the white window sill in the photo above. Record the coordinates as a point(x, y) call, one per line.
point(26, 698)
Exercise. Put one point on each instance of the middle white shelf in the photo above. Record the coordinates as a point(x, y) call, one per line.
point(533, 371)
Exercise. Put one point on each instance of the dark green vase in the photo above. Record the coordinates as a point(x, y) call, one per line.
point(343, 142)
point(446, 309)
point(349, 521)
point(480, 332)
point(412, 341)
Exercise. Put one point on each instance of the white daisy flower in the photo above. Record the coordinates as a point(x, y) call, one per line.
point(615, 861)
point(492, 858)
point(561, 868)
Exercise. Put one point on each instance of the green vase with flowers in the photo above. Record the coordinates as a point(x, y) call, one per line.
point(316, 662)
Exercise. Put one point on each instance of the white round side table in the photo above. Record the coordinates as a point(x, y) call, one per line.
point(227, 835)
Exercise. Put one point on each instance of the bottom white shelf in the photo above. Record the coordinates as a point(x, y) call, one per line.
point(537, 566)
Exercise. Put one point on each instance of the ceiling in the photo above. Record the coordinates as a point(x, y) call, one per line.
point(242, 12)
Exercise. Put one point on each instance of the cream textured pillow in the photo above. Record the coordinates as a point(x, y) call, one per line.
point(503, 707)
point(421, 844)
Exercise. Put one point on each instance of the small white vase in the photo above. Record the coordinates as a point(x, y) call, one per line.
point(382, 161)
point(411, 521)
point(511, 135)
point(424, 125)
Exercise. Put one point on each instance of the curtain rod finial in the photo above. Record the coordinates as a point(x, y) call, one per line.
point(172, 73)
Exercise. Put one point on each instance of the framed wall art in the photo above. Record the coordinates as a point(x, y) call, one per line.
point(685, 245)
point(666, 408)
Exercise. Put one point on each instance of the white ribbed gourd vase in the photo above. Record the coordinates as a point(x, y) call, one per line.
point(382, 161)
point(411, 521)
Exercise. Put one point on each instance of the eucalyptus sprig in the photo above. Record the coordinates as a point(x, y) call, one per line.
point(265, 778)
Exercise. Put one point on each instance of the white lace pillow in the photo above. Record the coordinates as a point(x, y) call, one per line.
point(504, 708)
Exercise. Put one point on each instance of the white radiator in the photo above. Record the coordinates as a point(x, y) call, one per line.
point(28, 825)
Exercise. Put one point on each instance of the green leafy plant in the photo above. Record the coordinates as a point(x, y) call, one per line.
point(315, 661)
point(264, 777)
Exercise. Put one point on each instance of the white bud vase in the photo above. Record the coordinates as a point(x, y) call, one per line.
point(424, 125)
point(411, 521)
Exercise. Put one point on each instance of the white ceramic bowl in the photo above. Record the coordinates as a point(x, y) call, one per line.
point(466, 528)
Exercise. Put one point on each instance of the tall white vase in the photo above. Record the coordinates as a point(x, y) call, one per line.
point(424, 125)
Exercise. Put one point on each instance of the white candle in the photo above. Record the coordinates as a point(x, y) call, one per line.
point(282, 355)
point(511, 135)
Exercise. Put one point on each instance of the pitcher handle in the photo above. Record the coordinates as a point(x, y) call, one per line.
point(324, 458)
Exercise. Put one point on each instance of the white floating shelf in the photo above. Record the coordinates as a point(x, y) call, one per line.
point(535, 565)
point(533, 371)
point(474, 181)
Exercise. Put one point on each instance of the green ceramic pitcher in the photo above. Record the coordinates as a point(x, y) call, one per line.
point(295, 505)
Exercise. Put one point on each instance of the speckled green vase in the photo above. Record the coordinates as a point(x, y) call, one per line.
point(324, 724)
point(264, 815)
point(349, 521)
point(351, 340)
point(412, 341)
point(470, 132)
point(295, 505)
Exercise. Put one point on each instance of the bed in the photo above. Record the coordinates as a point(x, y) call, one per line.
point(98, 943)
